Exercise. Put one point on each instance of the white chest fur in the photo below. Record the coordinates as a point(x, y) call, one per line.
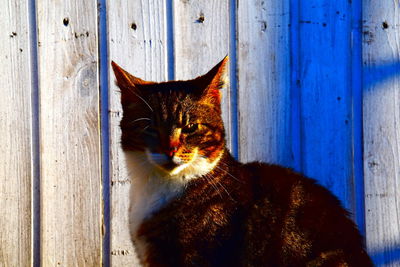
point(149, 192)
point(151, 189)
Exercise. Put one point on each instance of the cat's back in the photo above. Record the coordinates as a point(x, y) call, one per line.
point(292, 216)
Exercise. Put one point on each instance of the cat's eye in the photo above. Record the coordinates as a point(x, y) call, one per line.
point(190, 128)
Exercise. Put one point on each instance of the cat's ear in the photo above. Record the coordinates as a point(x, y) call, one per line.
point(129, 84)
point(213, 81)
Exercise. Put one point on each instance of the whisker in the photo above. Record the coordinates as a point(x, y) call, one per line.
point(213, 185)
point(145, 128)
point(223, 187)
point(229, 174)
point(142, 99)
point(141, 119)
point(221, 162)
point(227, 165)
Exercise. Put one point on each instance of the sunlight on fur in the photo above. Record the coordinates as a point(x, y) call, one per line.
point(193, 204)
point(189, 165)
point(153, 187)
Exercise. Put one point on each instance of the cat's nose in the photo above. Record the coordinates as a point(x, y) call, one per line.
point(170, 152)
point(172, 160)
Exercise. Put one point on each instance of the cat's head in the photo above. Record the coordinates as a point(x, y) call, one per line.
point(177, 125)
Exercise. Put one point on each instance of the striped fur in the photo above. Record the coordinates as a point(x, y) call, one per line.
point(193, 204)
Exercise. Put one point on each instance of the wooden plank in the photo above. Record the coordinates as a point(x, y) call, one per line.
point(69, 133)
point(201, 35)
point(326, 95)
point(15, 135)
point(381, 102)
point(137, 42)
point(264, 81)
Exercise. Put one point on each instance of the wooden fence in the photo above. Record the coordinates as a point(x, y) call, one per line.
point(315, 85)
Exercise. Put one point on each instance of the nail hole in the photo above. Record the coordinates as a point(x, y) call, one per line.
point(201, 18)
point(263, 26)
point(385, 25)
point(133, 26)
point(66, 22)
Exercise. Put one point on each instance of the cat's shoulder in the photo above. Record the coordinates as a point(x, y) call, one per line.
point(266, 173)
point(283, 183)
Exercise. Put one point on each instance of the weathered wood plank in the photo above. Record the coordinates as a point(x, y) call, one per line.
point(137, 42)
point(69, 133)
point(15, 135)
point(326, 95)
point(264, 81)
point(381, 109)
point(201, 35)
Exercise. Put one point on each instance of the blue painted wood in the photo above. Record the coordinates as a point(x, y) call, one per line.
point(36, 220)
point(357, 123)
point(105, 132)
point(295, 118)
point(233, 81)
point(323, 100)
point(264, 81)
point(326, 95)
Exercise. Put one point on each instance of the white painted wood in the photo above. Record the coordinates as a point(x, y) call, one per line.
point(137, 42)
point(264, 81)
point(15, 135)
point(69, 133)
point(201, 40)
point(381, 109)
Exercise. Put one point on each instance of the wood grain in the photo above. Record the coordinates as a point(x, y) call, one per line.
point(201, 35)
point(69, 133)
point(326, 95)
point(137, 42)
point(264, 81)
point(279, 62)
point(381, 102)
point(15, 131)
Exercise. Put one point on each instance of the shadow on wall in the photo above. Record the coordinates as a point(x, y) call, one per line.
point(386, 256)
point(373, 75)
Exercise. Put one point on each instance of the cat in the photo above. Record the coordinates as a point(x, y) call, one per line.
point(193, 204)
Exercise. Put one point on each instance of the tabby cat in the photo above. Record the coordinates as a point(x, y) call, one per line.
point(193, 204)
